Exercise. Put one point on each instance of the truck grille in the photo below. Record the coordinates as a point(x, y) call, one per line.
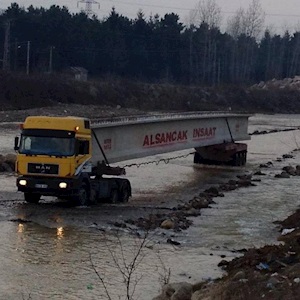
point(43, 169)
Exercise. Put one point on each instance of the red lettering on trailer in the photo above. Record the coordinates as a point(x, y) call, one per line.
point(204, 133)
point(165, 138)
point(107, 144)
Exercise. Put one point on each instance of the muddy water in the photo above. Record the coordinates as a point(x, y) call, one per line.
point(52, 255)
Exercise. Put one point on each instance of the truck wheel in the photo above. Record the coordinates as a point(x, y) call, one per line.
point(82, 199)
point(32, 197)
point(198, 159)
point(114, 196)
point(125, 193)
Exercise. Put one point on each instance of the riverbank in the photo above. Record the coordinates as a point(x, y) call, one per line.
point(20, 92)
point(269, 272)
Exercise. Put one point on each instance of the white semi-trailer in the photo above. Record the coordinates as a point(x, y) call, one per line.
point(67, 156)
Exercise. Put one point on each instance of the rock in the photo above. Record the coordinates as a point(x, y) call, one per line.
point(167, 224)
point(259, 173)
point(5, 167)
point(227, 187)
point(290, 170)
point(193, 212)
point(223, 263)
point(10, 158)
point(119, 225)
point(7, 163)
point(232, 182)
point(285, 156)
point(256, 180)
point(245, 183)
point(239, 275)
point(244, 177)
point(282, 175)
point(178, 291)
point(199, 202)
point(272, 282)
point(266, 165)
point(212, 191)
point(201, 295)
point(173, 242)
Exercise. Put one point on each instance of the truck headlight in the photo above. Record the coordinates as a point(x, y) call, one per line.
point(63, 185)
point(23, 182)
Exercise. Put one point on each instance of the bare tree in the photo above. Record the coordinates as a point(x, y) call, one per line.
point(206, 14)
point(248, 22)
point(125, 263)
point(245, 26)
point(206, 11)
point(254, 20)
point(235, 24)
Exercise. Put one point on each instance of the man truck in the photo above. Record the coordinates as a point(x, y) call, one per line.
point(69, 158)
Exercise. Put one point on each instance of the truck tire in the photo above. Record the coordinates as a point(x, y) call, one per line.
point(32, 197)
point(124, 193)
point(82, 198)
point(198, 159)
point(114, 196)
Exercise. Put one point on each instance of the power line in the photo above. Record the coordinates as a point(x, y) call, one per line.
point(190, 9)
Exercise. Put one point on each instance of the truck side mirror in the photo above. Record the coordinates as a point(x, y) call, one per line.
point(16, 147)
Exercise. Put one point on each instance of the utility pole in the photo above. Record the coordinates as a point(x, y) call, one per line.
point(16, 55)
point(28, 58)
point(88, 6)
point(50, 59)
point(6, 52)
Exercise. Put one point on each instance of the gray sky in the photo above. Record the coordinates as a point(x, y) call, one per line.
point(280, 14)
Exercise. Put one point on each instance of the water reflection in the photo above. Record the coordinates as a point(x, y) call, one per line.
point(60, 232)
point(20, 228)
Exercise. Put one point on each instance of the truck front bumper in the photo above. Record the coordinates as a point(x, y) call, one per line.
point(46, 186)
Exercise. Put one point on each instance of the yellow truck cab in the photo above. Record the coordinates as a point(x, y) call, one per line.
point(53, 159)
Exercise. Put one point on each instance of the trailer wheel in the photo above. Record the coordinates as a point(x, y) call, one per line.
point(114, 196)
point(244, 158)
point(237, 159)
point(32, 197)
point(82, 199)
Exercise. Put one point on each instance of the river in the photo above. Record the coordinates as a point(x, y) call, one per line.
point(64, 252)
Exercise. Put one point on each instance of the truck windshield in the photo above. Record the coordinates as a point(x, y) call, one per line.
point(56, 146)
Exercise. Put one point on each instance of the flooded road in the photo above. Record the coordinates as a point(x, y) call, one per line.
point(55, 255)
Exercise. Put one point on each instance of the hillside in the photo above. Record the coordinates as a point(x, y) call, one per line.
point(19, 92)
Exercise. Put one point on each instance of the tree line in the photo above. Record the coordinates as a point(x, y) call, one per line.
point(157, 49)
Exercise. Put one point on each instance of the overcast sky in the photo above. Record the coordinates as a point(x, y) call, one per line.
point(280, 14)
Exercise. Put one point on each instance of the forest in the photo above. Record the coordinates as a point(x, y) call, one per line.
point(154, 49)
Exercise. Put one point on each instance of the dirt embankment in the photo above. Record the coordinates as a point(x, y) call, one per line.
point(19, 92)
